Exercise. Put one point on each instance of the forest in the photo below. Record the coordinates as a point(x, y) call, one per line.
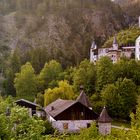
point(44, 55)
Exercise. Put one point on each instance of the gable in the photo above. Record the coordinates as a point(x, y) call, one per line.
point(27, 104)
point(77, 111)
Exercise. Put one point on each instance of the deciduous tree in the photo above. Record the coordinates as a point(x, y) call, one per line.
point(85, 75)
point(64, 91)
point(120, 98)
point(25, 82)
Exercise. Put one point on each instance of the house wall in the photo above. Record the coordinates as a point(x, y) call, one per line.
point(50, 118)
point(104, 128)
point(128, 53)
point(93, 55)
point(71, 126)
point(102, 52)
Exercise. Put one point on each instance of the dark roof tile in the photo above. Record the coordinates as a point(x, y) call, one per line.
point(58, 106)
point(104, 117)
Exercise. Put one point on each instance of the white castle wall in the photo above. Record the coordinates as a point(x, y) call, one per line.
point(137, 50)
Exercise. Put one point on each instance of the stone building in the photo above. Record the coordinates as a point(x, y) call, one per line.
point(115, 52)
point(104, 123)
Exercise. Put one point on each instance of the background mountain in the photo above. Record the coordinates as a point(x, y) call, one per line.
point(131, 8)
point(65, 28)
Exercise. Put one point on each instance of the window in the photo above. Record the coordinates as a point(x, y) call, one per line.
point(82, 113)
point(88, 125)
point(65, 126)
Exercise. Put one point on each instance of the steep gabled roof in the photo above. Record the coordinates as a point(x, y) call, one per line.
point(82, 98)
point(58, 106)
point(104, 117)
point(26, 103)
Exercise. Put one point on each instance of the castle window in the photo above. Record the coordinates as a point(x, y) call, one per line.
point(88, 125)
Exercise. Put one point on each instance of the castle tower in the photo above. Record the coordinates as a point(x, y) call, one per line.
point(137, 50)
point(93, 52)
point(104, 123)
point(115, 43)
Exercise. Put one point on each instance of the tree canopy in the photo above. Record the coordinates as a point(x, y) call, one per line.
point(63, 91)
point(25, 82)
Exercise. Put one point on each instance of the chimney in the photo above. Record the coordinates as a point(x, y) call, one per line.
point(52, 108)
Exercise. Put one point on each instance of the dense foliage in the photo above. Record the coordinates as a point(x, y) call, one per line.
point(43, 30)
point(63, 91)
point(19, 125)
point(125, 37)
point(114, 85)
point(25, 82)
point(43, 46)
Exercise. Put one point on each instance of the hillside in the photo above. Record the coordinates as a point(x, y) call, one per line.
point(124, 37)
point(66, 29)
point(131, 8)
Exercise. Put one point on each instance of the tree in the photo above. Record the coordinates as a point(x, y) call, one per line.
point(127, 68)
point(105, 73)
point(38, 58)
point(15, 61)
point(64, 91)
point(4, 128)
point(25, 127)
point(85, 75)
point(124, 37)
point(50, 73)
point(14, 67)
point(25, 82)
point(19, 125)
point(120, 98)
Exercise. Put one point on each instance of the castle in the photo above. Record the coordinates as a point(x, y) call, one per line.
point(115, 52)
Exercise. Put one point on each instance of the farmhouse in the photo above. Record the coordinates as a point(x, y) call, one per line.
point(69, 115)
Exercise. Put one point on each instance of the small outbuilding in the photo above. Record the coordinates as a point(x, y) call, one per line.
point(34, 109)
point(104, 122)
